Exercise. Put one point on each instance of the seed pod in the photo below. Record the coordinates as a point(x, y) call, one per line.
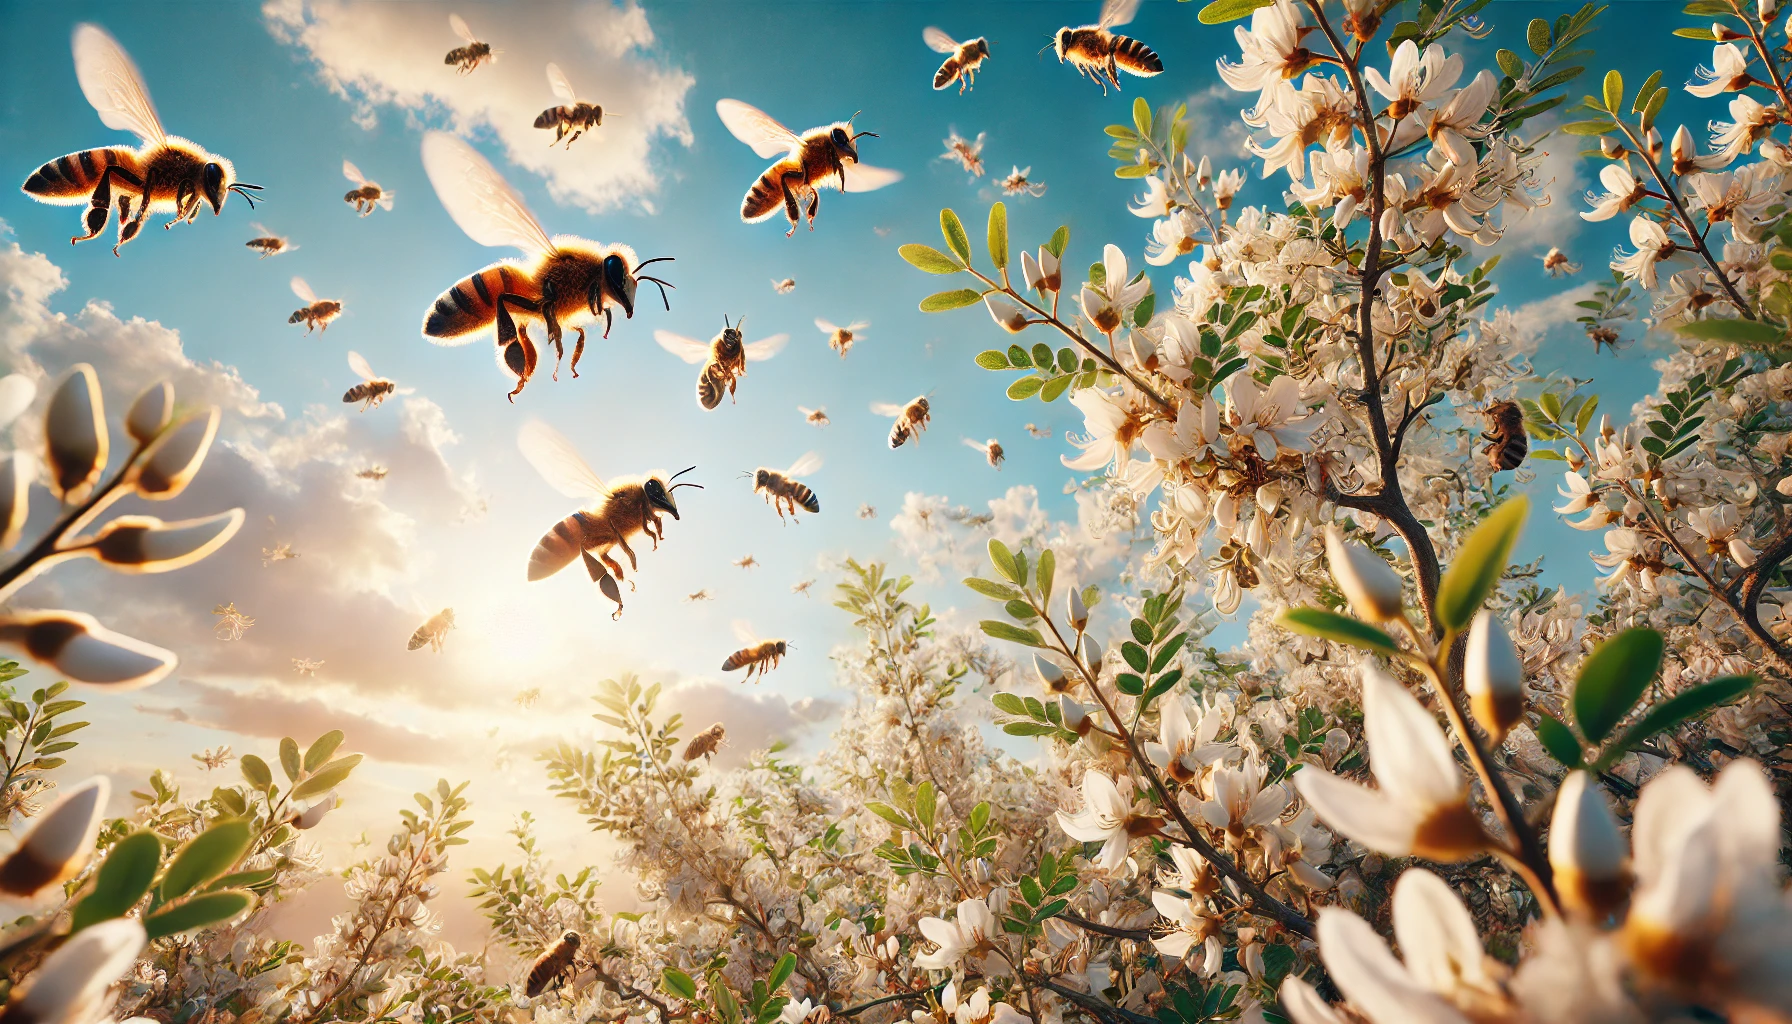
point(1493, 676)
point(170, 463)
point(59, 843)
point(150, 413)
point(83, 650)
point(70, 986)
point(145, 544)
point(75, 434)
point(17, 470)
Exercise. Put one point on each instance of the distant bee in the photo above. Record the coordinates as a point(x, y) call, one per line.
point(231, 624)
point(527, 699)
point(615, 512)
point(817, 417)
point(167, 174)
point(212, 759)
point(306, 666)
point(374, 472)
point(1037, 430)
point(1556, 264)
point(706, 743)
point(724, 358)
point(967, 153)
point(551, 965)
point(1017, 183)
point(566, 280)
point(366, 194)
point(699, 595)
point(278, 553)
point(911, 419)
point(573, 117)
point(783, 491)
point(1507, 443)
point(821, 157)
point(466, 58)
point(315, 313)
point(867, 511)
point(1101, 54)
point(783, 287)
point(745, 562)
point(991, 449)
point(962, 65)
point(267, 243)
point(433, 633)
point(1603, 337)
point(373, 388)
point(840, 339)
point(758, 655)
point(802, 587)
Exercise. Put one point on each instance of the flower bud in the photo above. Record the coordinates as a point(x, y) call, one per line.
point(1051, 675)
point(1493, 676)
point(1075, 715)
point(1006, 312)
point(58, 845)
point(146, 544)
point(1587, 851)
point(71, 984)
point(1144, 356)
point(1044, 274)
point(16, 473)
point(17, 392)
point(170, 463)
point(1612, 149)
point(1079, 615)
point(75, 434)
point(1204, 172)
point(1092, 655)
point(80, 648)
point(1368, 583)
point(311, 816)
point(150, 413)
point(1767, 9)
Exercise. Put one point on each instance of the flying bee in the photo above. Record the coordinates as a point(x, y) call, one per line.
point(783, 287)
point(699, 595)
point(306, 666)
point(758, 655)
point(825, 157)
point(911, 419)
point(231, 624)
point(745, 562)
point(315, 313)
point(967, 153)
point(840, 339)
point(867, 511)
point(1101, 54)
point(366, 194)
point(375, 472)
point(1018, 183)
point(212, 759)
point(433, 633)
point(1507, 443)
point(474, 53)
point(167, 174)
point(373, 388)
point(267, 243)
point(783, 491)
point(991, 449)
point(1557, 264)
point(724, 358)
point(706, 743)
point(278, 553)
point(615, 511)
point(573, 117)
point(802, 587)
point(565, 281)
point(1036, 430)
point(817, 417)
point(551, 965)
point(962, 65)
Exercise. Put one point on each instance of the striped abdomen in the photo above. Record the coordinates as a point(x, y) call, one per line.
point(71, 179)
point(472, 304)
point(947, 74)
point(561, 545)
point(1137, 58)
point(794, 491)
point(712, 383)
point(766, 650)
point(766, 197)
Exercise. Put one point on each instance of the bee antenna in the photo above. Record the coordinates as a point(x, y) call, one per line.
point(675, 487)
point(681, 473)
point(662, 286)
point(656, 259)
point(861, 135)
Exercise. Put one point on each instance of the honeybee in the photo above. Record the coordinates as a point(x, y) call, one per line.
point(783, 491)
point(211, 759)
point(366, 194)
point(991, 449)
point(1017, 183)
point(433, 633)
point(962, 65)
point(967, 153)
point(1038, 431)
point(551, 965)
point(278, 553)
point(566, 281)
point(840, 339)
point(867, 511)
point(374, 472)
point(758, 655)
point(783, 287)
point(306, 666)
point(466, 58)
point(572, 118)
point(373, 388)
point(820, 157)
point(167, 174)
point(315, 313)
point(699, 595)
point(706, 743)
point(911, 419)
point(1101, 54)
point(745, 562)
point(724, 358)
point(616, 511)
point(816, 417)
point(1507, 443)
point(802, 587)
point(1557, 264)
point(231, 624)
point(267, 243)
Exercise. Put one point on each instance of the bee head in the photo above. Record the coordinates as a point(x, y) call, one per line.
point(980, 48)
point(620, 281)
point(731, 338)
point(846, 141)
point(571, 938)
point(762, 478)
point(217, 181)
point(659, 492)
point(782, 648)
point(1061, 42)
point(921, 406)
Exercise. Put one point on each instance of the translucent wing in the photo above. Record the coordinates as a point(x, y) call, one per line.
point(1117, 12)
point(980, 446)
point(562, 88)
point(353, 173)
point(744, 632)
point(809, 463)
point(558, 462)
point(303, 291)
point(826, 328)
point(865, 178)
point(756, 128)
point(112, 84)
point(858, 325)
point(939, 41)
point(358, 363)
point(384, 202)
point(688, 349)
point(887, 408)
point(760, 351)
point(16, 393)
point(460, 28)
point(478, 198)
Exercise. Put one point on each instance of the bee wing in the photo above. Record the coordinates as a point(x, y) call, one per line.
point(688, 349)
point(113, 85)
point(744, 632)
point(980, 446)
point(939, 42)
point(809, 463)
point(858, 325)
point(826, 328)
point(460, 28)
point(558, 82)
point(303, 291)
point(558, 462)
point(756, 128)
point(384, 202)
point(887, 408)
point(260, 228)
point(485, 206)
point(760, 351)
point(353, 173)
point(865, 178)
point(1117, 12)
point(358, 363)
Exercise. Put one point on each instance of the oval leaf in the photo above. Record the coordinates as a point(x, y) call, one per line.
point(991, 589)
point(1742, 332)
point(679, 984)
point(956, 239)
point(1337, 628)
point(1682, 707)
point(1558, 741)
point(327, 778)
point(1479, 563)
point(1025, 388)
point(1009, 631)
point(1003, 560)
point(998, 236)
point(993, 359)
point(290, 761)
point(926, 257)
point(1221, 11)
point(1613, 679)
point(198, 912)
point(939, 302)
point(321, 748)
point(206, 856)
point(128, 872)
point(257, 772)
point(1614, 91)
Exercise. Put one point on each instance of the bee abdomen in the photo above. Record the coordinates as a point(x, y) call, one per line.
point(470, 305)
point(550, 117)
point(1508, 453)
point(74, 175)
point(1136, 57)
point(742, 658)
point(899, 433)
point(763, 199)
point(946, 74)
point(355, 394)
point(558, 547)
point(709, 387)
point(802, 495)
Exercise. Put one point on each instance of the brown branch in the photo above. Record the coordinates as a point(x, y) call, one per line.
point(1136, 934)
point(1095, 1005)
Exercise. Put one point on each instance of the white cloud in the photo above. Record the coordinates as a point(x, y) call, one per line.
point(390, 54)
point(1534, 320)
point(940, 540)
point(1560, 172)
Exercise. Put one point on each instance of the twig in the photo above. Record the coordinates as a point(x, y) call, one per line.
point(1137, 934)
point(1099, 1007)
point(898, 997)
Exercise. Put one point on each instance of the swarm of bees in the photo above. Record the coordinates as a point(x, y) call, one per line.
point(316, 313)
point(783, 287)
point(814, 417)
point(840, 339)
point(552, 965)
point(366, 194)
point(306, 666)
point(267, 243)
point(232, 624)
point(724, 358)
point(375, 472)
point(573, 117)
point(911, 419)
point(825, 157)
point(757, 656)
point(1507, 444)
point(1018, 183)
point(802, 587)
point(566, 282)
point(745, 562)
point(278, 553)
point(967, 153)
point(166, 174)
point(962, 61)
point(373, 388)
point(470, 55)
point(991, 449)
point(433, 633)
point(783, 491)
point(1101, 54)
point(706, 743)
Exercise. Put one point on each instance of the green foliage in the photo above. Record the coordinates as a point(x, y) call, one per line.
point(1613, 678)
point(1040, 896)
point(1479, 563)
point(929, 259)
point(998, 236)
point(32, 733)
point(956, 240)
point(123, 879)
point(204, 857)
point(1748, 333)
point(1529, 90)
point(201, 911)
point(1673, 426)
point(1343, 629)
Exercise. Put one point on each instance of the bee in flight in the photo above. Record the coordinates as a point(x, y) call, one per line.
point(278, 553)
point(911, 419)
point(967, 153)
point(817, 417)
point(840, 339)
point(991, 449)
point(1017, 183)
point(373, 388)
point(566, 281)
point(306, 666)
point(724, 358)
point(1507, 444)
point(706, 743)
point(802, 587)
point(821, 157)
point(783, 491)
point(783, 287)
point(551, 966)
point(315, 313)
point(433, 633)
point(1038, 431)
point(167, 174)
point(867, 511)
point(699, 595)
point(573, 117)
point(1557, 264)
point(231, 624)
point(366, 194)
point(616, 511)
point(474, 53)
point(745, 562)
point(1101, 54)
point(375, 472)
point(962, 64)
point(758, 655)
point(267, 243)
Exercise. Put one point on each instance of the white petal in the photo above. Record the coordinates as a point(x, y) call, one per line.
point(1407, 750)
point(1362, 814)
point(1436, 933)
point(1375, 982)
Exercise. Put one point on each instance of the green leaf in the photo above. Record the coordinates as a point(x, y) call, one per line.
point(1003, 560)
point(1743, 332)
point(1048, 568)
point(1682, 707)
point(1479, 563)
point(1701, 34)
point(1019, 358)
point(1141, 117)
point(956, 239)
point(198, 912)
point(125, 876)
point(1141, 314)
point(1132, 171)
point(785, 968)
point(321, 749)
point(256, 771)
point(290, 761)
point(1613, 678)
point(1010, 632)
point(1594, 127)
point(991, 589)
point(1558, 741)
point(1055, 388)
point(1009, 704)
point(1343, 629)
point(677, 983)
point(206, 856)
point(958, 298)
point(1648, 90)
point(998, 236)
point(1536, 35)
point(1059, 240)
point(926, 257)
point(889, 814)
point(1510, 63)
point(1221, 11)
point(926, 803)
point(1614, 91)
point(327, 778)
point(1025, 388)
point(993, 359)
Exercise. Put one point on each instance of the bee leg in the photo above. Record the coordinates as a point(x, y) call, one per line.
point(100, 207)
point(606, 321)
point(578, 349)
point(791, 209)
point(814, 205)
point(127, 230)
point(608, 587)
point(622, 542)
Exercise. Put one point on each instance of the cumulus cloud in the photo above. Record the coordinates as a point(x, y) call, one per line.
point(390, 55)
point(940, 539)
point(1561, 173)
point(269, 713)
point(1533, 321)
point(754, 719)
